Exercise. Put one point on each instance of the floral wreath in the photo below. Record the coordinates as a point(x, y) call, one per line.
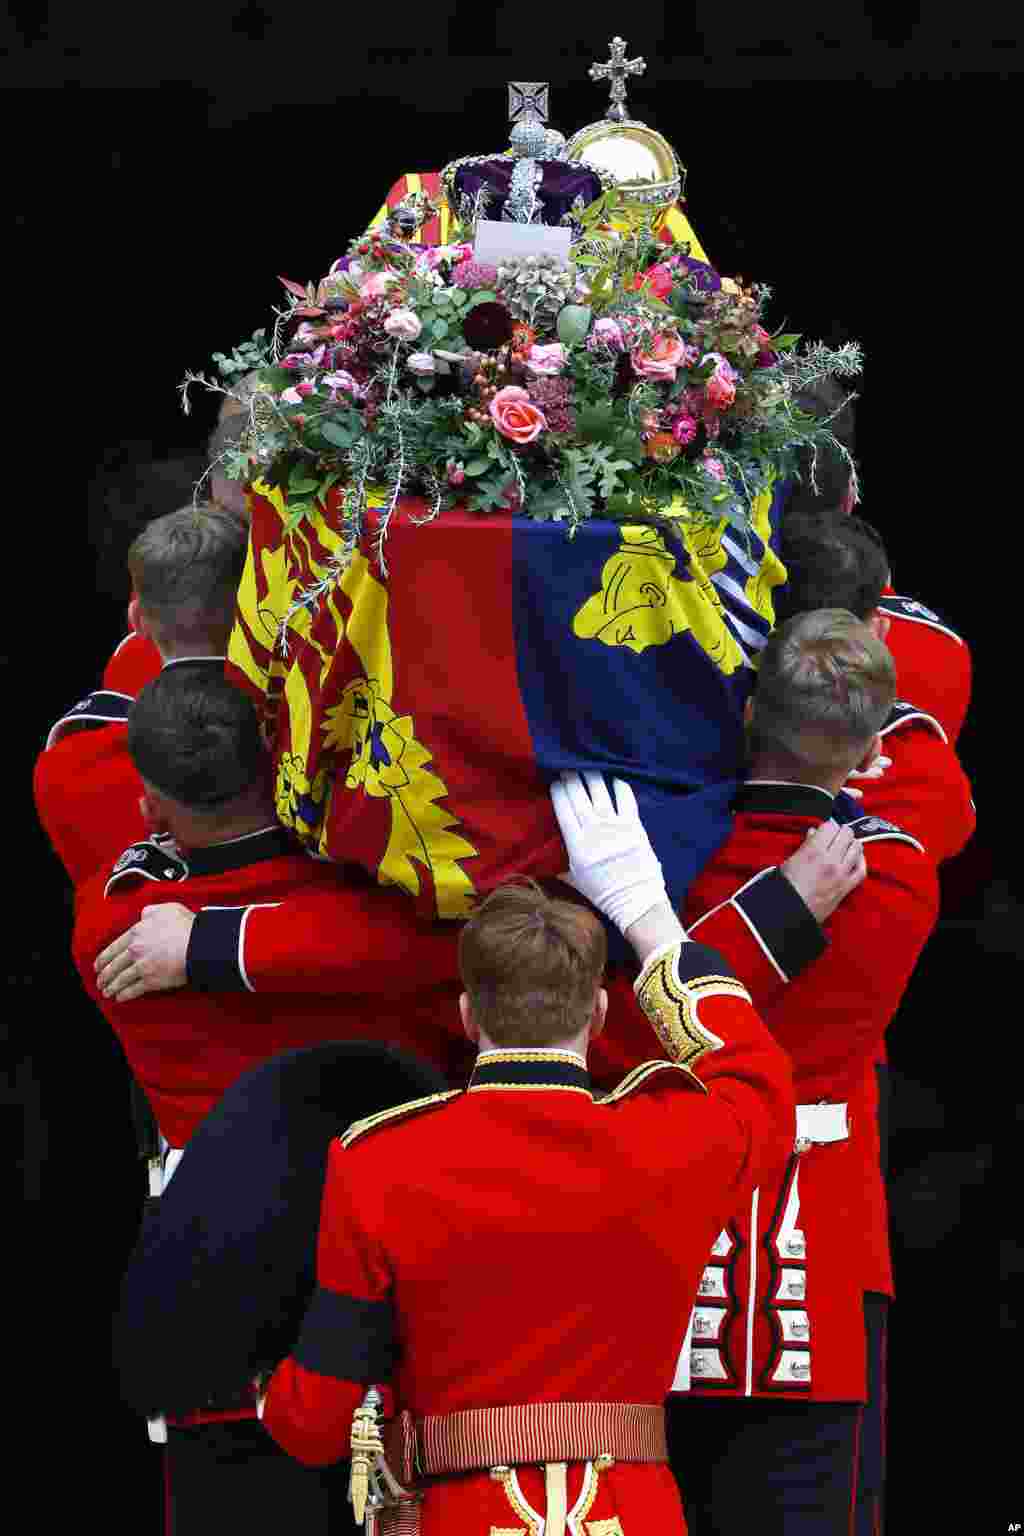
point(633, 384)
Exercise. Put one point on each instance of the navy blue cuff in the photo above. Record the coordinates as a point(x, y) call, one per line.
point(345, 1337)
point(213, 961)
point(701, 960)
point(782, 922)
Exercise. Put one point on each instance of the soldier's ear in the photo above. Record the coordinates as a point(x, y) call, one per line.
point(600, 1013)
point(152, 807)
point(880, 622)
point(469, 1024)
point(748, 710)
point(135, 616)
point(870, 755)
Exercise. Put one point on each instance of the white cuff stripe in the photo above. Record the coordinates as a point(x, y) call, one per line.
point(241, 940)
point(738, 892)
point(758, 939)
point(732, 902)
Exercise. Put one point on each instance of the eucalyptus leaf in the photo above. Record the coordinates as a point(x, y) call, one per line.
point(340, 433)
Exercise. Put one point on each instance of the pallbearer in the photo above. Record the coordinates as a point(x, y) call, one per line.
point(512, 1259)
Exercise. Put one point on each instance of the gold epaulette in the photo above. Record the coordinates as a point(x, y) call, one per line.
point(397, 1112)
point(642, 1074)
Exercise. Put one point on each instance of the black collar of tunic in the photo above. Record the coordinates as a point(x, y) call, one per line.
point(759, 799)
point(529, 1068)
point(253, 848)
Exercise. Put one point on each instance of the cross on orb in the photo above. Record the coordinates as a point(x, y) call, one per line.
point(617, 71)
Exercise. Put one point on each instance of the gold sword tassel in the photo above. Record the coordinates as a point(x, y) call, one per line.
point(367, 1445)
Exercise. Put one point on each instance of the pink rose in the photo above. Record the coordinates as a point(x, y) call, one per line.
point(515, 415)
point(421, 363)
point(658, 279)
point(546, 360)
point(403, 324)
point(297, 392)
point(436, 254)
point(713, 467)
point(661, 359)
point(606, 333)
point(456, 472)
point(761, 336)
point(720, 390)
point(684, 430)
point(376, 285)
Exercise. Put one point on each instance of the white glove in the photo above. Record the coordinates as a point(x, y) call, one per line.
point(611, 861)
point(876, 770)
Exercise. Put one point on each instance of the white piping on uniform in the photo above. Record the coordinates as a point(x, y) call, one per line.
point(752, 1296)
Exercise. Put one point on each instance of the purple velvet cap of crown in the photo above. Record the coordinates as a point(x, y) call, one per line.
point(561, 184)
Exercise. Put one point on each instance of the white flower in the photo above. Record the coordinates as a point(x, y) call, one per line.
point(421, 363)
point(403, 324)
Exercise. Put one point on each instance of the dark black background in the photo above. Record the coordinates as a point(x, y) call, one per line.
point(163, 165)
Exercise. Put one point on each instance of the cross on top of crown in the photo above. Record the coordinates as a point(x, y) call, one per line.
point(527, 98)
point(617, 71)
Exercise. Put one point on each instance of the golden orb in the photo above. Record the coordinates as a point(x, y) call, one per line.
point(639, 160)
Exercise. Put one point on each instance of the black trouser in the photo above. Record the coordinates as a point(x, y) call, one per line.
point(757, 1467)
point(232, 1477)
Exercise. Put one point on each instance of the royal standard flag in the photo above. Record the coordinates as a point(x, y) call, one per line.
point(418, 717)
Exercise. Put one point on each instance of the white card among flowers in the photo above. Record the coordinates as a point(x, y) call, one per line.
point(498, 242)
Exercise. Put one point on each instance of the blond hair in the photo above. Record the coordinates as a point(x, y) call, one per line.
point(825, 686)
point(531, 965)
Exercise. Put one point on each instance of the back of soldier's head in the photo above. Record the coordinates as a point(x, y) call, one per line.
point(196, 739)
point(531, 965)
point(185, 568)
point(825, 686)
point(832, 561)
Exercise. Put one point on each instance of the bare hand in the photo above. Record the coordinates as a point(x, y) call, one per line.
point(150, 957)
point(827, 866)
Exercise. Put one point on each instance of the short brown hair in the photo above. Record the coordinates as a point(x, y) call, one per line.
point(531, 965)
point(196, 738)
point(185, 568)
point(825, 686)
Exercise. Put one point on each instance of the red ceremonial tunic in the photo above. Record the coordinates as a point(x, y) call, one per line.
point(925, 791)
point(763, 936)
point(781, 1307)
point(933, 662)
point(85, 785)
point(527, 1242)
point(186, 1047)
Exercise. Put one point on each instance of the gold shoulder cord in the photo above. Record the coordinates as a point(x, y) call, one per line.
point(397, 1112)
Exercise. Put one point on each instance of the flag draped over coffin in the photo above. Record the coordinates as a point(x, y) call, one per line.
point(419, 717)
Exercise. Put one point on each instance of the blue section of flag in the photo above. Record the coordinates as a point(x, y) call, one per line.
point(666, 717)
